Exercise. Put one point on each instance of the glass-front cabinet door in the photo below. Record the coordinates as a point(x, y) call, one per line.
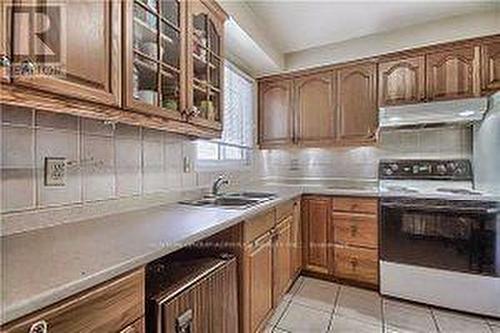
point(205, 63)
point(154, 61)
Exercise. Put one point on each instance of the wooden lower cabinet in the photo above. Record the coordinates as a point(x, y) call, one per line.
point(296, 234)
point(354, 231)
point(356, 264)
point(316, 214)
point(208, 305)
point(282, 251)
point(114, 306)
point(258, 282)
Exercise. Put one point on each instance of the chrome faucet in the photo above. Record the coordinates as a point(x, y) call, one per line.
point(221, 180)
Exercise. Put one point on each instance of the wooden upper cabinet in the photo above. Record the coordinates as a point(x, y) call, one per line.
point(5, 39)
point(316, 214)
point(205, 63)
point(490, 64)
point(357, 102)
point(402, 81)
point(154, 70)
point(82, 46)
point(453, 73)
point(275, 113)
point(315, 109)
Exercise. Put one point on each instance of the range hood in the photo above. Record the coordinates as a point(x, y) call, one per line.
point(432, 114)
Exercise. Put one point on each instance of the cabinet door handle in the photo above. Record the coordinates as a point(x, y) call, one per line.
point(354, 230)
point(354, 263)
point(39, 327)
point(5, 61)
point(28, 67)
point(184, 323)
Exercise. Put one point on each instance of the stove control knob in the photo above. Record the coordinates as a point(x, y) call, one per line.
point(388, 171)
point(441, 168)
point(394, 167)
point(451, 166)
point(416, 169)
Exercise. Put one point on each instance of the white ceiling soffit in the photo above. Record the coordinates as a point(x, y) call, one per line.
point(247, 44)
point(297, 25)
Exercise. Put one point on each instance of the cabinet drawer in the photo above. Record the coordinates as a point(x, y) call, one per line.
point(137, 327)
point(110, 307)
point(284, 210)
point(257, 226)
point(356, 264)
point(355, 229)
point(355, 205)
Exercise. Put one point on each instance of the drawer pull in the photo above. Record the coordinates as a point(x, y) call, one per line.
point(39, 327)
point(354, 230)
point(354, 263)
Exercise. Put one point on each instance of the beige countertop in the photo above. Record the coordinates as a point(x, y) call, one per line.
point(44, 266)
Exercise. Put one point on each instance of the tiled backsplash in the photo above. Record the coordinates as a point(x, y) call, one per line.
point(103, 164)
point(112, 170)
point(362, 162)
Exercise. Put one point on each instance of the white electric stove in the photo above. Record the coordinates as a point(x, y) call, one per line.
point(440, 239)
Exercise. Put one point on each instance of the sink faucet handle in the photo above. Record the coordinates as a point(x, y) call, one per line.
point(221, 180)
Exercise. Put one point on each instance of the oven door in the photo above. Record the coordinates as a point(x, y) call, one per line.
point(452, 235)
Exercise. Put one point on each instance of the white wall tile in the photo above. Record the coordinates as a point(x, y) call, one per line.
point(17, 168)
point(128, 156)
point(153, 161)
point(58, 143)
point(98, 167)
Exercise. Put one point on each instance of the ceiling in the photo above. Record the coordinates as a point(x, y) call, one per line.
point(297, 25)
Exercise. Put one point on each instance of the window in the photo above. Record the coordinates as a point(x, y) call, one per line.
point(235, 146)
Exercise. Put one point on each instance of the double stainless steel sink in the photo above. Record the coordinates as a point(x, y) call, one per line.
point(238, 200)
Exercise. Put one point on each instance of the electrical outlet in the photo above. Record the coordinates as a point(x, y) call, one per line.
point(55, 171)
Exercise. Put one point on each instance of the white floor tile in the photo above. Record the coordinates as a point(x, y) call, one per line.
point(278, 313)
point(341, 324)
point(300, 318)
point(451, 322)
point(317, 294)
point(405, 317)
point(360, 304)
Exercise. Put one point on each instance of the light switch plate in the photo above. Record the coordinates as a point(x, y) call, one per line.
point(55, 171)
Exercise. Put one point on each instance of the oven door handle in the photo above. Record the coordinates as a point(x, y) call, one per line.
point(441, 208)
